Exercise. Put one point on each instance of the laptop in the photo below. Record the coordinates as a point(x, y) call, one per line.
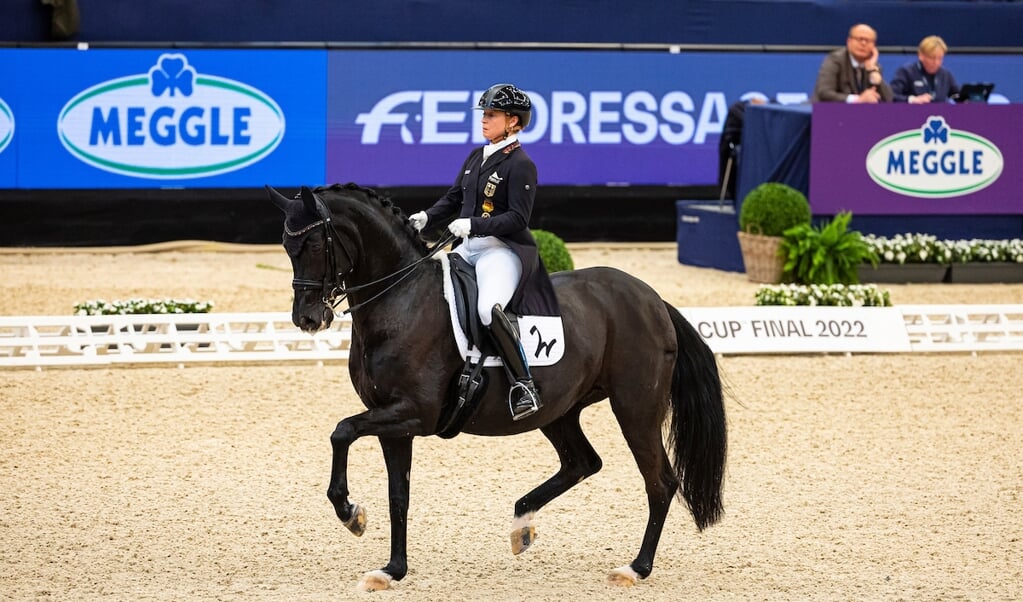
point(974, 92)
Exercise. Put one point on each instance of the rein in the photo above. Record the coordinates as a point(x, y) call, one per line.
point(333, 302)
point(333, 285)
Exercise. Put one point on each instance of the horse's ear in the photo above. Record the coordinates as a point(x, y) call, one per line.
point(279, 200)
point(309, 201)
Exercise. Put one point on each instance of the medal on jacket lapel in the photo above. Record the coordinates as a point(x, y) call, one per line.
point(488, 192)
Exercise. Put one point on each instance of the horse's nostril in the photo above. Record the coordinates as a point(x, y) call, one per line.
point(307, 324)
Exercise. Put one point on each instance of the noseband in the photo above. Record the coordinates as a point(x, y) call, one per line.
point(333, 284)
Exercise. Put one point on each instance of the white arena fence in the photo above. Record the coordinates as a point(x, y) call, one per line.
point(165, 338)
point(40, 341)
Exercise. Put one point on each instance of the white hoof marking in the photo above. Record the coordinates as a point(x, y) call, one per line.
point(523, 533)
point(623, 577)
point(520, 522)
point(375, 581)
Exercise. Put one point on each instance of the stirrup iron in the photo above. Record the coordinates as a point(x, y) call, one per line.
point(522, 400)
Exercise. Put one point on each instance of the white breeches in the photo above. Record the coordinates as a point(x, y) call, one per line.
point(498, 270)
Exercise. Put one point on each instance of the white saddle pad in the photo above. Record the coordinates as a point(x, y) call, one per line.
point(543, 337)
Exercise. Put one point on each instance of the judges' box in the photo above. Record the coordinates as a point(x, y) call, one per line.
point(706, 235)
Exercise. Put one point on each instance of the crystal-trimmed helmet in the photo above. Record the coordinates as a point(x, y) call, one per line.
point(507, 98)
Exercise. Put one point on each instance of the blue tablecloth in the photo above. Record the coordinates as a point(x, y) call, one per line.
point(775, 148)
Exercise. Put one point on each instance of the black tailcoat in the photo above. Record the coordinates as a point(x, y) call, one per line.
point(507, 181)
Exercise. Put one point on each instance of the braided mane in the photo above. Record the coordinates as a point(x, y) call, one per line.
point(381, 202)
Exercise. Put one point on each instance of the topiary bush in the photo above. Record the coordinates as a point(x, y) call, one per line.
point(772, 208)
point(553, 252)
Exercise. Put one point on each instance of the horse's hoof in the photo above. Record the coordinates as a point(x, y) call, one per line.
point(375, 581)
point(357, 523)
point(623, 577)
point(523, 533)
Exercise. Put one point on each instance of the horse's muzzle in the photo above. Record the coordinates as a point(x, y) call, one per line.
point(314, 319)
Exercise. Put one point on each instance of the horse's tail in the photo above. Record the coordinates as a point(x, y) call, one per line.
point(697, 438)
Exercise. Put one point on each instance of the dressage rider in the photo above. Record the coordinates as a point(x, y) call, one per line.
point(492, 198)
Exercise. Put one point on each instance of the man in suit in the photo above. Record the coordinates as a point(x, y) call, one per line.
point(925, 80)
point(852, 74)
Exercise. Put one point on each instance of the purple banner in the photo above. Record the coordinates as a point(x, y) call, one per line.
point(899, 159)
point(407, 118)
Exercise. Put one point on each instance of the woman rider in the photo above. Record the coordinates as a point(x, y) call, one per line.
point(492, 198)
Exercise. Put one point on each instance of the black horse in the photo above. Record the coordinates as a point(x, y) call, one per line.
point(623, 343)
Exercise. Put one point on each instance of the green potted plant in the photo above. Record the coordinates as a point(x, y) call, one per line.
point(830, 253)
point(767, 212)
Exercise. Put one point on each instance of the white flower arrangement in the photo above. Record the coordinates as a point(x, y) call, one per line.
point(99, 307)
point(844, 295)
point(964, 251)
point(925, 248)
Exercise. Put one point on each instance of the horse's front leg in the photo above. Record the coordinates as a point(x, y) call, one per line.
point(352, 515)
point(395, 425)
point(398, 458)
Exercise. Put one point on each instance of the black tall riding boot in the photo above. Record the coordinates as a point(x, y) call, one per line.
point(523, 400)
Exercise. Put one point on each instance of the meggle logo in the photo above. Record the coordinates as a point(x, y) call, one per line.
point(171, 123)
point(934, 161)
point(6, 125)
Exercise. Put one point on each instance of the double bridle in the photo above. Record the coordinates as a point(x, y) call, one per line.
point(333, 285)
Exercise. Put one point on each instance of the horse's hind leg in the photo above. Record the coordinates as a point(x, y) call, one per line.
point(640, 420)
point(578, 461)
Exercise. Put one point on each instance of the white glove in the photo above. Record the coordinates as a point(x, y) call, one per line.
point(460, 227)
point(418, 220)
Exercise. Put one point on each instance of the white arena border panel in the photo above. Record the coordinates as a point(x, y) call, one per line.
point(40, 341)
point(165, 338)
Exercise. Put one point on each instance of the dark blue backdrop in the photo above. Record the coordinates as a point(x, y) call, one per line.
point(774, 22)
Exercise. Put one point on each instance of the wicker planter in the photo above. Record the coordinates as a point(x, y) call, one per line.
point(762, 257)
